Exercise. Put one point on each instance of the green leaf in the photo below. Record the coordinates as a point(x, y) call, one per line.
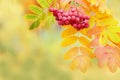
point(50, 1)
point(43, 3)
point(50, 20)
point(31, 16)
point(35, 9)
point(35, 24)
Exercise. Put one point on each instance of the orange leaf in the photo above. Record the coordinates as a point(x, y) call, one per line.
point(95, 42)
point(100, 4)
point(84, 6)
point(87, 51)
point(71, 53)
point(68, 32)
point(73, 65)
point(84, 41)
point(69, 41)
point(95, 30)
point(85, 32)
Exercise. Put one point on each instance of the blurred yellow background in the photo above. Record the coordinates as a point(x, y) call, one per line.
point(38, 55)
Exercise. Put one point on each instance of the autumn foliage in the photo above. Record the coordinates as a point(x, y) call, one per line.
point(99, 40)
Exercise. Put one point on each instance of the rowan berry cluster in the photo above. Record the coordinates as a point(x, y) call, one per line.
point(72, 17)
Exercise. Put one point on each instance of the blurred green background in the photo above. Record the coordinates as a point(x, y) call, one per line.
point(38, 55)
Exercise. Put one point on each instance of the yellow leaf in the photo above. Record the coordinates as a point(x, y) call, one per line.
point(84, 41)
point(108, 21)
point(100, 4)
point(69, 41)
point(83, 66)
point(95, 2)
point(71, 53)
point(103, 8)
point(92, 2)
point(92, 22)
point(114, 28)
point(73, 65)
point(65, 3)
point(103, 38)
point(114, 37)
point(84, 63)
point(102, 15)
point(81, 62)
point(87, 51)
point(66, 26)
point(68, 32)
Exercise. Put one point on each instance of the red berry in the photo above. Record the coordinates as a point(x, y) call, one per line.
point(86, 25)
point(52, 9)
point(85, 21)
point(60, 17)
point(77, 19)
point(60, 22)
point(58, 14)
point(80, 15)
point(75, 25)
point(75, 13)
point(87, 17)
point(73, 17)
point(66, 22)
point(54, 13)
point(64, 18)
point(70, 13)
point(65, 14)
point(73, 9)
point(79, 25)
point(69, 18)
point(61, 11)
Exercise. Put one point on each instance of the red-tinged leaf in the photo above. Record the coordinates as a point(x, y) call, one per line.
point(95, 42)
